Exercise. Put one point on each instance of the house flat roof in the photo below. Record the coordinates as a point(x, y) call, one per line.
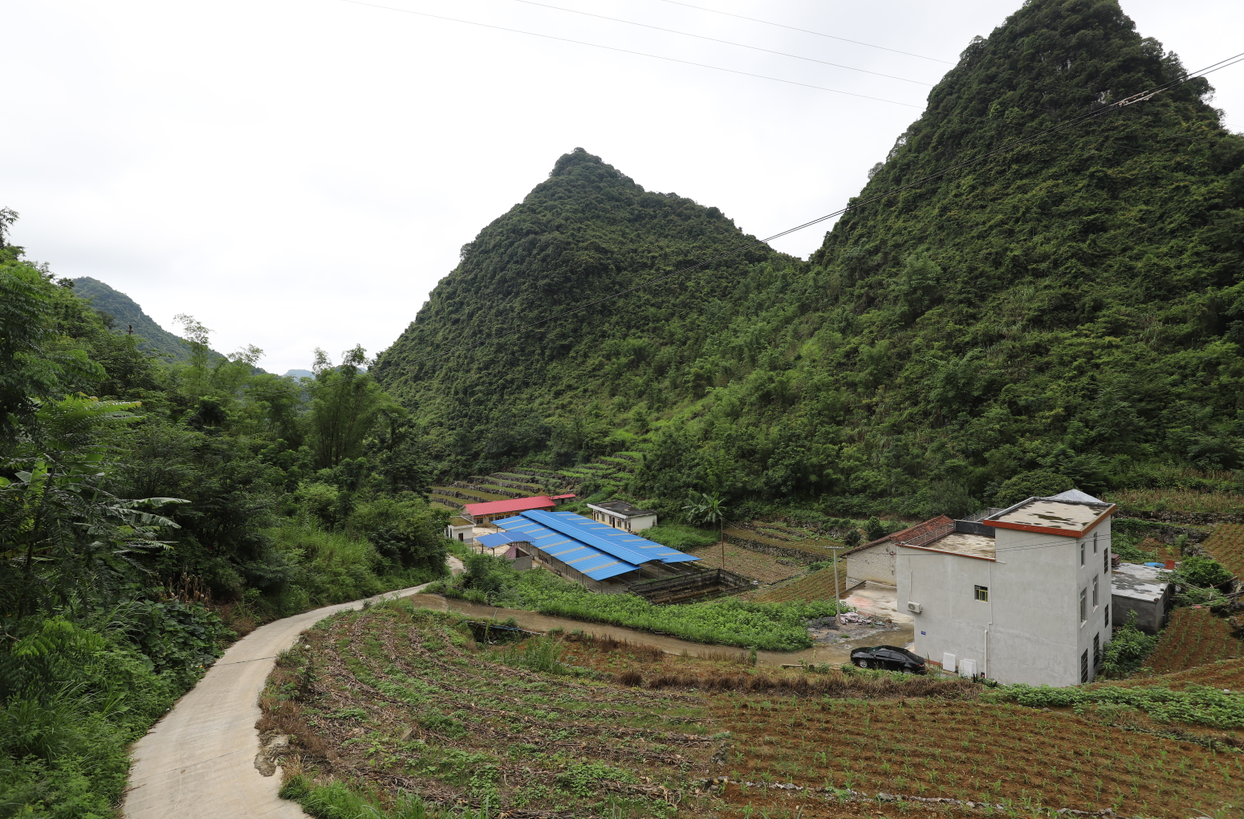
point(620, 508)
point(511, 505)
point(960, 543)
point(1052, 516)
point(1138, 582)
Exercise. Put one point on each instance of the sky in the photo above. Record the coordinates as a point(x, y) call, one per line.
point(298, 174)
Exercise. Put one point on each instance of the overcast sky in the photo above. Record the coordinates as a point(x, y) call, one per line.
point(301, 173)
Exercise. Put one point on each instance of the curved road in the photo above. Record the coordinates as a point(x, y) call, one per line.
point(198, 762)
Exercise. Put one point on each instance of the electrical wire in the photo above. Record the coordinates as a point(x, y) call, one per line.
point(628, 51)
point(724, 42)
point(803, 30)
point(1005, 148)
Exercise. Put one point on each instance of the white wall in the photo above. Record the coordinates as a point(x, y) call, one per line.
point(951, 619)
point(876, 564)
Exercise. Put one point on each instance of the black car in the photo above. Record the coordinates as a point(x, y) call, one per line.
point(891, 657)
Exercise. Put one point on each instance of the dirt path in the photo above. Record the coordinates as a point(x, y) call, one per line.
point(198, 762)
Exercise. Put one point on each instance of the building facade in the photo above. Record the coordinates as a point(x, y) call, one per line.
point(622, 515)
point(1023, 596)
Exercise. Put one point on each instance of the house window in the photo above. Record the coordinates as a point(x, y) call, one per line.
point(1105, 560)
point(1096, 651)
point(982, 593)
point(1083, 606)
point(1084, 666)
point(1082, 553)
point(1094, 543)
point(1107, 617)
point(1094, 594)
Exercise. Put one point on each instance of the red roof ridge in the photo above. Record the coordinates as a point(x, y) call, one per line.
point(510, 505)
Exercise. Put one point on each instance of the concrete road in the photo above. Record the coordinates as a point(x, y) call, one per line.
point(198, 762)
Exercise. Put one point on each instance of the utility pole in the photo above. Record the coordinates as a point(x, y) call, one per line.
point(837, 594)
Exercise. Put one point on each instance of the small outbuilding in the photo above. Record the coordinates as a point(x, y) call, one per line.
point(460, 529)
point(622, 515)
point(1143, 590)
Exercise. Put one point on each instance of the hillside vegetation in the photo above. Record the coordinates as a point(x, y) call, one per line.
point(151, 509)
point(1068, 313)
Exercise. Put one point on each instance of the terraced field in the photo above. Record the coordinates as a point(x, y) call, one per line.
point(820, 548)
point(1194, 637)
point(765, 568)
point(1226, 544)
point(816, 586)
point(612, 472)
point(402, 698)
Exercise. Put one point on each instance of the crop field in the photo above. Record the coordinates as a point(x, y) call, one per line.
point(1228, 674)
point(1194, 637)
point(402, 698)
point(816, 586)
point(1183, 500)
point(765, 568)
point(1227, 545)
point(399, 697)
point(817, 547)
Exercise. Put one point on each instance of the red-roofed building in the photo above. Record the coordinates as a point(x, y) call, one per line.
point(494, 510)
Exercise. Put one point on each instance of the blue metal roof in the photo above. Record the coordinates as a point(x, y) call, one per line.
point(496, 539)
point(596, 550)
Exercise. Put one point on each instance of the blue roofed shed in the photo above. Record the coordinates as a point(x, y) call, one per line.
point(592, 553)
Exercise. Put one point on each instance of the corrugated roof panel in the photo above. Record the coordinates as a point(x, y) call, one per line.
point(565, 523)
point(596, 550)
point(496, 539)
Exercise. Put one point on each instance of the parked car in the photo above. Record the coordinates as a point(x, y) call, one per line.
point(891, 657)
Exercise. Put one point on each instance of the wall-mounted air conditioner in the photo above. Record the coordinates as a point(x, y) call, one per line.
point(914, 608)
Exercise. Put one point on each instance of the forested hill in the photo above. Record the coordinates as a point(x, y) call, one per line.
point(124, 313)
point(495, 366)
point(1068, 313)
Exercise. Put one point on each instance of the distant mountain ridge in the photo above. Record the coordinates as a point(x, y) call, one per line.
point(1070, 313)
point(126, 313)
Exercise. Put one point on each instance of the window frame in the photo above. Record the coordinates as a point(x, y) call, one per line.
point(1095, 604)
point(981, 593)
point(1083, 606)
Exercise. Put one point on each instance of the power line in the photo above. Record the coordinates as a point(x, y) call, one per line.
point(1005, 148)
point(725, 42)
point(629, 51)
point(804, 30)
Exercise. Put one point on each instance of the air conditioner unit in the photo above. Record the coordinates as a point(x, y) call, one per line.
point(914, 608)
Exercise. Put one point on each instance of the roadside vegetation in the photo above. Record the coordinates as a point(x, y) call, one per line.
point(152, 510)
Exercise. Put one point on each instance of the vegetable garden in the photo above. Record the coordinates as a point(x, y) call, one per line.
point(816, 586)
point(1226, 544)
point(728, 621)
point(1194, 637)
point(403, 698)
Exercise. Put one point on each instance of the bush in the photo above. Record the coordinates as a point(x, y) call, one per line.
point(1127, 651)
point(680, 536)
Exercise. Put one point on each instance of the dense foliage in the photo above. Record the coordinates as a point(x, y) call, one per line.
point(141, 501)
point(1068, 313)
